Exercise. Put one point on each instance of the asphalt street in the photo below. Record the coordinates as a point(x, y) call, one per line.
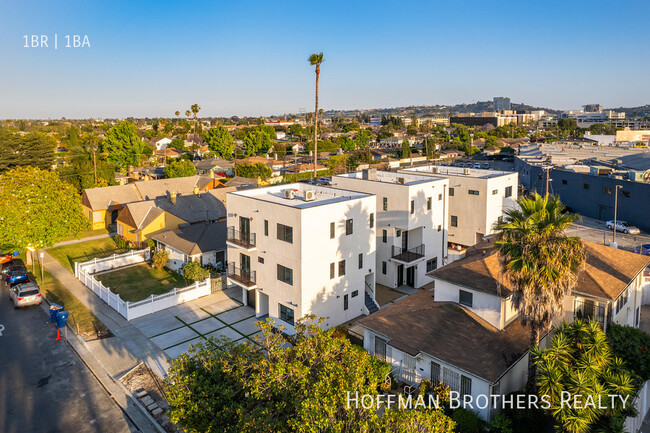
point(44, 385)
point(594, 230)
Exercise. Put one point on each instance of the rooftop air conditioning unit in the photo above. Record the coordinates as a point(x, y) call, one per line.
point(400, 180)
point(434, 169)
point(289, 194)
point(466, 171)
point(310, 195)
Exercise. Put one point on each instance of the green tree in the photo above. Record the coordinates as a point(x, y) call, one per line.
point(580, 362)
point(123, 145)
point(539, 261)
point(85, 162)
point(195, 110)
point(180, 168)
point(220, 141)
point(177, 143)
point(406, 149)
point(38, 209)
point(195, 272)
point(632, 345)
point(348, 144)
point(160, 259)
point(253, 171)
point(259, 140)
point(316, 60)
point(34, 149)
point(220, 386)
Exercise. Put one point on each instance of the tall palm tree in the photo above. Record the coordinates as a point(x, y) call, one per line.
point(195, 109)
point(540, 262)
point(316, 60)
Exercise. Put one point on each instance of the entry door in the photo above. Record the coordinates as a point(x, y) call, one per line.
point(245, 265)
point(244, 229)
point(405, 240)
point(410, 276)
point(400, 275)
point(250, 298)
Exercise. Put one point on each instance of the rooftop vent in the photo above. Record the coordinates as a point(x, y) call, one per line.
point(289, 194)
point(369, 174)
point(310, 195)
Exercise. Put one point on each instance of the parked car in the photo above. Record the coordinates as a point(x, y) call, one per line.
point(486, 165)
point(477, 165)
point(16, 275)
point(623, 226)
point(25, 294)
point(6, 258)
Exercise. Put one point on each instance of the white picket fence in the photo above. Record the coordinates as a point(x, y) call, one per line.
point(130, 310)
point(642, 404)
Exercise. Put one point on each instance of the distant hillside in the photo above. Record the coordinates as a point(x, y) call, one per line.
point(643, 110)
point(425, 110)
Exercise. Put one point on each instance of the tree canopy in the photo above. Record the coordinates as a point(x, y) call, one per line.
point(220, 142)
point(38, 209)
point(259, 140)
point(180, 168)
point(34, 149)
point(123, 145)
point(253, 171)
point(220, 386)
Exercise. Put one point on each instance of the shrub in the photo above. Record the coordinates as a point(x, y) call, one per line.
point(193, 271)
point(467, 421)
point(633, 346)
point(501, 424)
point(424, 387)
point(160, 259)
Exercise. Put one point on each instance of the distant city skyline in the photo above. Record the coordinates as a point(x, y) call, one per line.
point(149, 59)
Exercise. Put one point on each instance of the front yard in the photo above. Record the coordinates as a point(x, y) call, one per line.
point(82, 251)
point(138, 282)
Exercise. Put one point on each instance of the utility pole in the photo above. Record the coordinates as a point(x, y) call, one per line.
point(615, 209)
point(295, 165)
point(547, 170)
point(95, 164)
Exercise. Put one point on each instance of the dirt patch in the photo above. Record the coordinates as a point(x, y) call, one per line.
point(141, 378)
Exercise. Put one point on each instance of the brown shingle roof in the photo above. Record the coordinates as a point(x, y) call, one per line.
point(451, 333)
point(196, 238)
point(102, 198)
point(607, 272)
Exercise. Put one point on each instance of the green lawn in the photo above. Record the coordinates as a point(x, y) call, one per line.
point(82, 251)
point(139, 282)
point(88, 233)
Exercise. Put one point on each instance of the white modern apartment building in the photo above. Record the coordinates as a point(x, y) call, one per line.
point(300, 249)
point(477, 198)
point(411, 223)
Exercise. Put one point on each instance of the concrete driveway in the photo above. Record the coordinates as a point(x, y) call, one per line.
point(219, 315)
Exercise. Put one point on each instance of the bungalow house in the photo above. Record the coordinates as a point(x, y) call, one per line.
point(160, 143)
point(491, 150)
point(138, 221)
point(449, 153)
point(216, 166)
point(468, 336)
point(304, 168)
point(274, 164)
point(167, 152)
point(297, 148)
point(204, 243)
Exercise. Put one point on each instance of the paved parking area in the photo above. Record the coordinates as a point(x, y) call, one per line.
point(222, 314)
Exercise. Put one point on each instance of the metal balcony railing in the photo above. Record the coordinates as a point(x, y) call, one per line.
point(243, 239)
point(245, 277)
point(589, 310)
point(409, 255)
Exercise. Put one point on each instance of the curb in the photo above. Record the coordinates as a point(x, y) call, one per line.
point(130, 406)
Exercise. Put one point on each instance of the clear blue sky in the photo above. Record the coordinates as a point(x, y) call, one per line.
point(151, 58)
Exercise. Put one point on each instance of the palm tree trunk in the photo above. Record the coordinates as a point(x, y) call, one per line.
point(531, 385)
point(316, 127)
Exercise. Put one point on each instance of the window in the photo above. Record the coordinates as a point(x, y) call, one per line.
point(465, 298)
point(380, 348)
point(266, 227)
point(384, 236)
point(360, 260)
point(451, 379)
point(385, 203)
point(563, 181)
point(508, 191)
point(451, 192)
point(454, 221)
point(622, 300)
point(345, 302)
point(348, 227)
point(495, 191)
point(383, 268)
point(472, 192)
point(625, 193)
point(432, 264)
point(341, 268)
point(439, 197)
point(332, 270)
point(260, 260)
point(607, 190)
point(465, 386)
point(285, 275)
point(435, 373)
point(372, 220)
point(119, 229)
point(332, 230)
point(285, 233)
point(439, 227)
point(585, 185)
point(398, 233)
point(429, 203)
point(637, 316)
point(286, 314)
point(412, 206)
point(355, 293)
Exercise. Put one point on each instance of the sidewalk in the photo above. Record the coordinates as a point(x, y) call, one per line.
point(128, 347)
point(91, 238)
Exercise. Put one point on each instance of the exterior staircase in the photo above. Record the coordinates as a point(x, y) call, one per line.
point(370, 304)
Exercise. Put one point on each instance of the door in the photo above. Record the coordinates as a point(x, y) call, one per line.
point(410, 276)
point(245, 265)
point(250, 298)
point(408, 369)
point(400, 275)
point(405, 240)
point(244, 229)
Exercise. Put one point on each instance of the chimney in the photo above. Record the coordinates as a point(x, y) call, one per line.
point(130, 169)
point(172, 197)
point(196, 190)
point(369, 174)
point(211, 174)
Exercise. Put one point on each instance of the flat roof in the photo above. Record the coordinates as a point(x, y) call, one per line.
point(323, 195)
point(445, 170)
point(392, 177)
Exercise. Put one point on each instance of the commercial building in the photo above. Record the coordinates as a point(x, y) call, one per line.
point(477, 198)
point(411, 223)
point(302, 249)
point(501, 103)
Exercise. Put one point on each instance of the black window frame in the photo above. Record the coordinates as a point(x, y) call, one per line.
point(360, 260)
point(341, 268)
point(288, 315)
point(346, 302)
point(283, 233)
point(434, 264)
point(283, 272)
point(453, 221)
point(332, 270)
point(385, 204)
point(429, 203)
point(266, 227)
point(355, 293)
point(466, 294)
point(332, 230)
point(412, 207)
point(508, 191)
point(349, 227)
point(372, 220)
point(472, 192)
point(451, 192)
point(383, 268)
point(384, 236)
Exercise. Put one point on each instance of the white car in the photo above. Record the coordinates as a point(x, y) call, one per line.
point(622, 226)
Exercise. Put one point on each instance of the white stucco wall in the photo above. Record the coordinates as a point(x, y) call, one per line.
point(485, 305)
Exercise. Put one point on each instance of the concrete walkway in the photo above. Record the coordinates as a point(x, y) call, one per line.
point(91, 238)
